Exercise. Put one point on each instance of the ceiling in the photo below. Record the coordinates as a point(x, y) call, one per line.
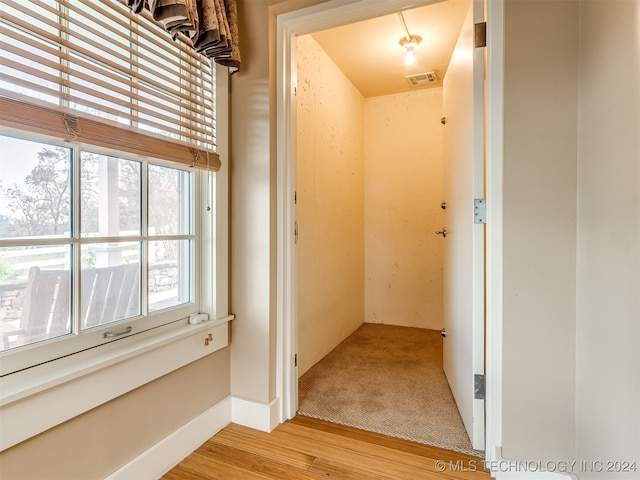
point(370, 55)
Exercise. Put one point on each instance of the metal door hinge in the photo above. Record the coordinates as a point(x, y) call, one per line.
point(479, 210)
point(295, 231)
point(295, 360)
point(479, 387)
point(295, 198)
point(480, 35)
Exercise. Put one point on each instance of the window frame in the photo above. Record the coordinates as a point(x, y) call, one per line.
point(77, 340)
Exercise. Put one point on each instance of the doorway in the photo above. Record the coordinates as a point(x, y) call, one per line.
point(368, 203)
point(287, 378)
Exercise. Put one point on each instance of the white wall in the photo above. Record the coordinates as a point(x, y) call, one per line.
point(539, 236)
point(403, 192)
point(253, 273)
point(608, 247)
point(330, 204)
point(572, 233)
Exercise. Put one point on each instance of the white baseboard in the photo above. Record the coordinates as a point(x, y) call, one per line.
point(505, 469)
point(264, 417)
point(520, 473)
point(172, 449)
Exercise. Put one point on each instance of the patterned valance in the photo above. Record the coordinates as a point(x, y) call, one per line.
point(210, 25)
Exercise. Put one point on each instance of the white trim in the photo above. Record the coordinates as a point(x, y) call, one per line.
point(286, 305)
point(96, 376)
point(215, 231)
point(520, 472)
point(14, 360)
point(478, 257)
point(494, 178)
point(335, 13)
point(171, 450)
point(505, 469)
point(263, 417)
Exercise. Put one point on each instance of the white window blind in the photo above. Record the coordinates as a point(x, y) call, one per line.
point(92, 71)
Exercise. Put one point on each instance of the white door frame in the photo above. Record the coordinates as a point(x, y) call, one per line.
point(335, 13)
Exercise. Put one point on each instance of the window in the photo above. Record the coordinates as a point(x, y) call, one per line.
point(104, 118)
point(108, 245)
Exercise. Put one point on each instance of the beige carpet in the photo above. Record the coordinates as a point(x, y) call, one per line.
point(389, 380)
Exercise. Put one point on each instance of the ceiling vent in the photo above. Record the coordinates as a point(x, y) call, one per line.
point(422, 79)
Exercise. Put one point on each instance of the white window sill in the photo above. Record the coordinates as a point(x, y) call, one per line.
point(70, 386)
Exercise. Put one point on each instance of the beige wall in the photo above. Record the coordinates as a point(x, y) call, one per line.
point(330, 205)
point(539, 205)
point(403, 185)
point(369, 188)
point(253, 203)
point(369, 183)
point(97, 443)
point(608, 292)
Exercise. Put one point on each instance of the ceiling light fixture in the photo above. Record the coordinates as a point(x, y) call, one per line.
point(409, 43)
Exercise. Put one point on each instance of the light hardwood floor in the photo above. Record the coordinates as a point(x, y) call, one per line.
point(306, 448)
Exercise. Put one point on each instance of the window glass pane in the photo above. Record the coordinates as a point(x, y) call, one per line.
point(169, 201)
point(169, 273)
point(110, 196)
point(109, 283)
point(35, 294)
point(35, 189)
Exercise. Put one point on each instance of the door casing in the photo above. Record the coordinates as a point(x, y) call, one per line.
point(331, 14)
